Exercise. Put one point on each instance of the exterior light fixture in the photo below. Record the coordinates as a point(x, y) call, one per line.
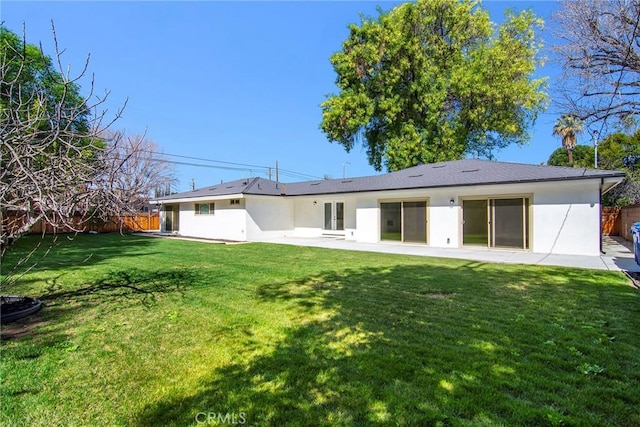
point(451, 202)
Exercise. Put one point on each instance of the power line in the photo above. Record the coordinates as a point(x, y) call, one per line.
point(234, 166)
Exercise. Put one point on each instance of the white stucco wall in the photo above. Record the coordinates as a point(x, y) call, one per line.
point(228, 221)
point(566, 219)
point(565, 216)
point(268, 217)
point(309, 215)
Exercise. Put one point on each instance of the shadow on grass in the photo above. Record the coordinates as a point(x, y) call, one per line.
point(124, 287)
point(116, 290)
point(413, 345)
point(64, 252)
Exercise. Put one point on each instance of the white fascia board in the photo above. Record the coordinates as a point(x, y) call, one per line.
point(609, 183)
point(197, 199)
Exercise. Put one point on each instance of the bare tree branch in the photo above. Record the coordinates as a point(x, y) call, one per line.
point(600, 55)
point(59, 163)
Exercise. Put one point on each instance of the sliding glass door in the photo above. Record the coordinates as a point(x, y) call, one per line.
point(390, 221)
point(496, 223)
point(475, 223)
point(414, 222)
point(404, 221)
point(508, 223)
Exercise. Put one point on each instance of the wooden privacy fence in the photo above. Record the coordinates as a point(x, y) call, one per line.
point(149, 221)
point(610, 221)
point(618, 221)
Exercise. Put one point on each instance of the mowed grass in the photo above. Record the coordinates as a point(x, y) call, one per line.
point(147, 332)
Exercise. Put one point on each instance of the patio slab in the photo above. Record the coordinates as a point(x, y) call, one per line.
point(616, 256)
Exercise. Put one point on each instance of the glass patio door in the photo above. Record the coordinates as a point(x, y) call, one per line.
point(334, 216)
point(496, 223)
point(404, 221)
point(507, 223)
point(414, 222)
point(475, 222)
point(171, 218)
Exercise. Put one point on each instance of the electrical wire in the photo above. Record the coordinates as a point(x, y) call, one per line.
point(233, 166)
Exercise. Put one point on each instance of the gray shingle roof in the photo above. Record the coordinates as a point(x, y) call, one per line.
point(240, 186)
point(444, 174)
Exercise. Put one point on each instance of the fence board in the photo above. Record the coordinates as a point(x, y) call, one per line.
point(611, 221)
point(144, 222)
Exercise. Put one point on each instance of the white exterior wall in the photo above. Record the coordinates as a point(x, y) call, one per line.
point(309, 215)
point(228, 222)
point(268, 217)
point(565, 216)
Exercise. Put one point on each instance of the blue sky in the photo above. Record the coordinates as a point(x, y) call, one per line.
point(237, 82)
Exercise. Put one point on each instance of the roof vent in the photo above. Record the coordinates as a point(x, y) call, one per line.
point(470, 170)
point(230, 186)
point(415, 176)
point(347, 181)
point(437, 166)
point(315, 183)
point(213, 188)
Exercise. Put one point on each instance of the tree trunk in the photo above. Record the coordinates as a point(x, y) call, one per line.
point(570, 154)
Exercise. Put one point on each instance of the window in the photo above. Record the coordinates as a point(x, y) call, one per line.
point(235, 201)
point(204, 208)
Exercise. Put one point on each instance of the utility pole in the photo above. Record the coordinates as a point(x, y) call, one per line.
point(595, 145)
point(193, 184)
point(343, 166)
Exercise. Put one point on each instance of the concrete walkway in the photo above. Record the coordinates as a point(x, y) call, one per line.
point(617, 253)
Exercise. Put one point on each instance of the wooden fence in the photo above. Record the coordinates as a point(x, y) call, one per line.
point(611, 221)
point(618, 221)
point(149, 221)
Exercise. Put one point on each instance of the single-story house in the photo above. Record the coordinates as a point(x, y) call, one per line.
point(465, 203)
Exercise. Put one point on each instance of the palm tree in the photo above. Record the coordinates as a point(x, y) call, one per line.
point(568, 127)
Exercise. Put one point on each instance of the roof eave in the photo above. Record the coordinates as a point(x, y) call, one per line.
point(165, 201)
point(475, 184)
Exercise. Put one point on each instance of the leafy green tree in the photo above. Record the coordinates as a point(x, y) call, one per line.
point(583, 157)
point(435, 80)
point(32, 86)
point(568, 127)
point(620, 151)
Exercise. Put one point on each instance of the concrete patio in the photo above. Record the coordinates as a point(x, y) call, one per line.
point(617, 253)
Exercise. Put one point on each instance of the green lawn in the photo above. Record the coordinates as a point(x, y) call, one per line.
point(142, 331)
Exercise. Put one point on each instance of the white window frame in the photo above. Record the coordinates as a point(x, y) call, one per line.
point(211, 208)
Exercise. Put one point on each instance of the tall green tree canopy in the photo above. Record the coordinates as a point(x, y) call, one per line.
point(621, 151)
point(435, 80)
point(583, 157)
point(32, 86)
